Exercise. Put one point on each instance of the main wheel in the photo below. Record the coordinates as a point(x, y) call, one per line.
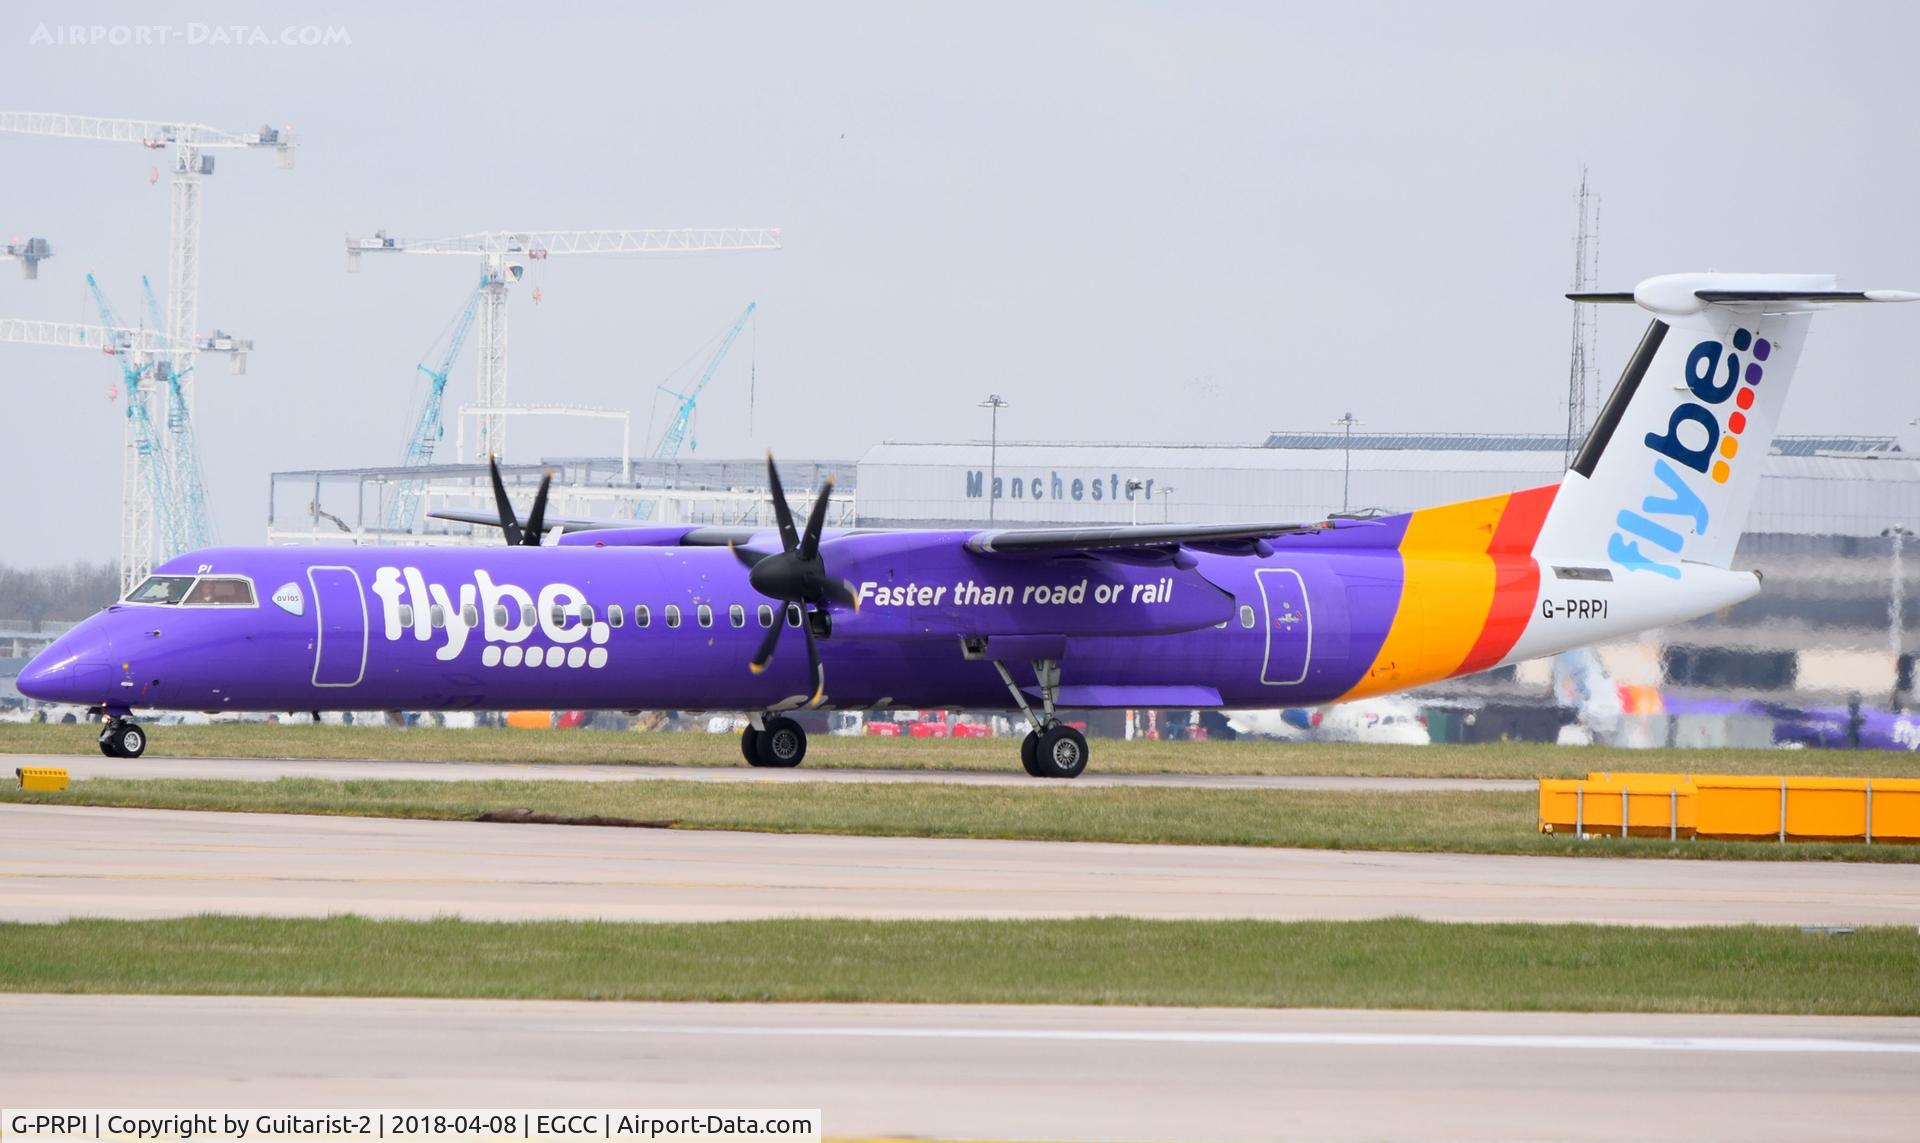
point(1030, 754)
point(126, 739)
point(750, 746)
point(106, 746)
point(1060, 753)
point(782, 744)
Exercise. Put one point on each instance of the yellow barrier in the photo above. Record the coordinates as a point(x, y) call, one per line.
point(48, 778)
point(530, 719)
point(1729, 806)
point(1636, 805)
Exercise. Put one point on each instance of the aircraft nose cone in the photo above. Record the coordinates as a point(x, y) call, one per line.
point(66, 674)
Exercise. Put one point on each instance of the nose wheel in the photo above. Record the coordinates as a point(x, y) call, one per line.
point(123, 738)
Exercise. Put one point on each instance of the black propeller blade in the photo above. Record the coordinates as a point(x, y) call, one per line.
point(517, 536)
point(796, 576)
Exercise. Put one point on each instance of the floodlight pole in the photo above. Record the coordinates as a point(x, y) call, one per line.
point(995, 404)
point(1346, 475)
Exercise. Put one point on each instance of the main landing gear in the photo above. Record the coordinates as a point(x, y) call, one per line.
point(121, 737)
point(777, 742)
point(1052, 749)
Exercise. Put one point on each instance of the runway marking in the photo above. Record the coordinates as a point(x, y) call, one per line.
point(1300, 1039)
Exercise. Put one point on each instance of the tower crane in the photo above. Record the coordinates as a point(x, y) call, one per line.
point(676, 434)
point(188, 496)
point(29, 253)
point(428, 427)
point(505, 253)
point(149, 501)
point(192, 145)
point(146, 468)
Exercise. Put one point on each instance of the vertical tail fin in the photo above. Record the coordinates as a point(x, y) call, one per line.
point(1669, 471)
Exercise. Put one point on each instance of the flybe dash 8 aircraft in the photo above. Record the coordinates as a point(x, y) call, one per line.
point(587, 614)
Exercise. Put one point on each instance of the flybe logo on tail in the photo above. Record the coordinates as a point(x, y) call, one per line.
point(1696, 443)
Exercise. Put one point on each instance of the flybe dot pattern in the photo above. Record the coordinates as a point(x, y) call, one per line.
point(1743, 340)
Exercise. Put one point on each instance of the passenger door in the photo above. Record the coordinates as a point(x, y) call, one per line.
point(340, 618)
point(1289, 627)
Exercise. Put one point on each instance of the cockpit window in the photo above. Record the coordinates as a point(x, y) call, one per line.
point(221, 591)
point(162, 589)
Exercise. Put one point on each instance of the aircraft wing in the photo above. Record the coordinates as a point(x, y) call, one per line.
point(1226, 537)
point(550, 524)
point(1246, 538)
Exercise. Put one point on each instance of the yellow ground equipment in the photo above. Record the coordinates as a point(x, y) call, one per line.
point(1732, 806)
point(51, 779)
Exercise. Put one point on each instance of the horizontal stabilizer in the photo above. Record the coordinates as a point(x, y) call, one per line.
point(1676, 295)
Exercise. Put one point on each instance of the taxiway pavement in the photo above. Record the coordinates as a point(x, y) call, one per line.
point(980, 1072)
point(71, 861)
point(343, 770)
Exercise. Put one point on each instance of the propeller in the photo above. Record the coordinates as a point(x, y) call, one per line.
point(509, 523)
point(796, 576)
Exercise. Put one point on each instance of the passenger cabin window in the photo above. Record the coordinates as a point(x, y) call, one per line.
point(705, 615)
point(616, 615)
point(470, 615)
point(586, 614)
point(162, 589)
point(737, 615)
point(437, 615)
point(642, 615)
point(793, 615)
point(526, 615)
point(1246, 615)
point(673, 615)
point(406, 615)
point(500, 615)
point(766, 615)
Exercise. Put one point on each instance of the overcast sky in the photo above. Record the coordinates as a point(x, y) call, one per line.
point(1179, 222)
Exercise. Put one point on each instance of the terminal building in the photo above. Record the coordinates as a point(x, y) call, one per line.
point(1828, 528)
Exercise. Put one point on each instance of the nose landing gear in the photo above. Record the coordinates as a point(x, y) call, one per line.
point(121, 737)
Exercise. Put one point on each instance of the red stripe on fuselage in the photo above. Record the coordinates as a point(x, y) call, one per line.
point(1516, 583)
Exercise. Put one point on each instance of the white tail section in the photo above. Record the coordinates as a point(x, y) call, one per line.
point(1669, 471)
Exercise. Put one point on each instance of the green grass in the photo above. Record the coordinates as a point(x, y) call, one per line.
point(298, 739)
point(1440, 821)
point(1394, 963)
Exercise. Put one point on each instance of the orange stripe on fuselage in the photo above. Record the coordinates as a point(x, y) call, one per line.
point(1516, 577)
point(1447, 593)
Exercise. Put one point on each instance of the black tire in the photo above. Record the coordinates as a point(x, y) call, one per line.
point(1030, 754)
point(750, 746)
point(1061, 753)
point(782, 745)
point(106, 746)
point(128, 740)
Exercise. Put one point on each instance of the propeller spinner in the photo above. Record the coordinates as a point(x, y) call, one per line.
point(796, 576)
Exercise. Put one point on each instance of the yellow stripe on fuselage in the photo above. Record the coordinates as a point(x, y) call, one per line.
point(1445, 596)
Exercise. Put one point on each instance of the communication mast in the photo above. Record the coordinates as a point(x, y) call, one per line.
point(1582, 366)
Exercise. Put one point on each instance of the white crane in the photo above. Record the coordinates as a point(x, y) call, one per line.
point(30, 254)
point(191, 144)
point(505, 254)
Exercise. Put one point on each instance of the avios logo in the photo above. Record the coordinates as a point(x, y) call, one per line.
point(1696, 440)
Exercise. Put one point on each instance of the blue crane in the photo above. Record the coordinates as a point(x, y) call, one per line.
point(135, 366)
point(428, 427)
point(189, 502)
point(676, 434)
